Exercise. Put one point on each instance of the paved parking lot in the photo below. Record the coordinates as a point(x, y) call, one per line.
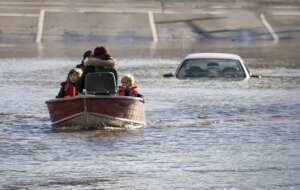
point(131, 20)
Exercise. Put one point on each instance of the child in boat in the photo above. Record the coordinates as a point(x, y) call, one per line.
point(68, 88)
point(128, 88)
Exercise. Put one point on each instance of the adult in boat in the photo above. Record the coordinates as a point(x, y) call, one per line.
point(85, 56)
point(101, 61)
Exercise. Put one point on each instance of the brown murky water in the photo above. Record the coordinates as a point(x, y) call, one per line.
point(208, 134)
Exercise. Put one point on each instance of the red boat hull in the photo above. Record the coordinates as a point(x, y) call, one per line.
point(97, 112)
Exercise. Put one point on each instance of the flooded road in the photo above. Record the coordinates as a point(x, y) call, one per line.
point(210, 134)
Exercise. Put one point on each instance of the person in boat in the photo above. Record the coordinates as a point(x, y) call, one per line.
point(68, 88)
point(128, 88)
point(100, 61)
point(85, 56)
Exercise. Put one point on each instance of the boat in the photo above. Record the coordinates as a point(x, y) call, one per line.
point(98, 108)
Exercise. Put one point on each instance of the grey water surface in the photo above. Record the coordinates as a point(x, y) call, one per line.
point(211, 134)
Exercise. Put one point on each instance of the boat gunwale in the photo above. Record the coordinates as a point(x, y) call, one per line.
point(95, 97)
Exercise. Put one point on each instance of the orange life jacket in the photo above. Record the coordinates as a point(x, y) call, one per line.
point(71, 91)
point(132, 91)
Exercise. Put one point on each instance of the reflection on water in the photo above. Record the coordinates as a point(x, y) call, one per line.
point(210, 134)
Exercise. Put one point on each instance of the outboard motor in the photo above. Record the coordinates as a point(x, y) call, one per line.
point(100, 83)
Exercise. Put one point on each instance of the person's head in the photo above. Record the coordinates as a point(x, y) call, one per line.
point(100, 51)
point(127, 81)
point(86, 54)
point(73, 77)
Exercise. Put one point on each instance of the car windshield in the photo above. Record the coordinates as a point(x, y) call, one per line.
point(211, 68)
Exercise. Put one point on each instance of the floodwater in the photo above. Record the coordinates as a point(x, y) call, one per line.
point(211, 134)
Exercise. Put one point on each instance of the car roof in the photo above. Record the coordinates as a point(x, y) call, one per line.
point(213, 56)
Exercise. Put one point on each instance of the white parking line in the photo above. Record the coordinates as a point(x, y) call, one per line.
point(6, 45)
point(152, 26)
point(19, 14)
point(105, 10)
point(269, 28)
point(21, 8)
point(286, 13)
point(227, 7)
point(285, 7)
point(40, 27)
point(196, 12)
point(49, 4)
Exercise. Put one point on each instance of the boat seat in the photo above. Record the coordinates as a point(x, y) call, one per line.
point(100, 83)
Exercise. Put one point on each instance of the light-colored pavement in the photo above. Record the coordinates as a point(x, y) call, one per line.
point(129, 20)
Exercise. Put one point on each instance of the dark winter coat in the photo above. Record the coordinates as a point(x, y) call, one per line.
point(93, 69)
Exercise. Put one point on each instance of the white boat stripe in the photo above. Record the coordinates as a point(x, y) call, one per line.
point(97, 114)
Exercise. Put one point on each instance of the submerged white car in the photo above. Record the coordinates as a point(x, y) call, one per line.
point(212, 65)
